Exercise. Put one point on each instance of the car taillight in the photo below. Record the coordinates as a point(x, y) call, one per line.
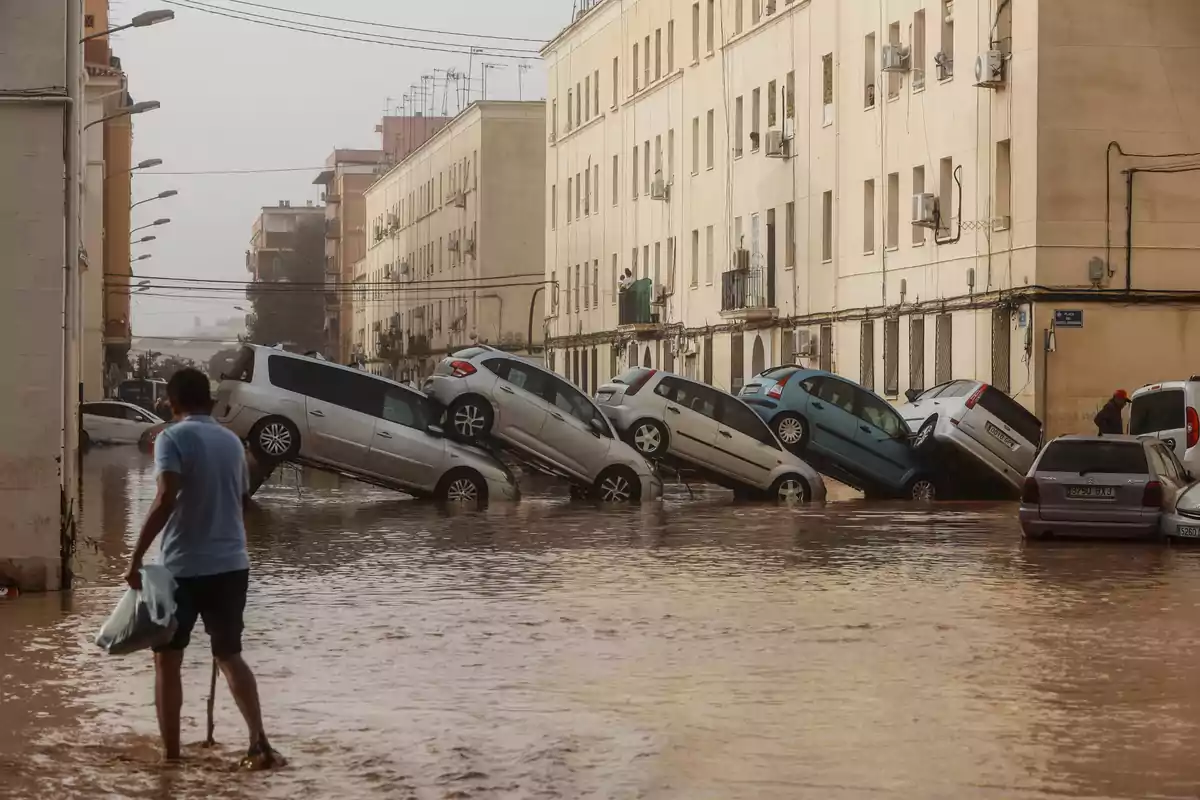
point(1193, 427)
point(461, 369)
point(974, 398)
point(1152, 497)
point(776, 391)
point(1031, 495)
point(637, 385)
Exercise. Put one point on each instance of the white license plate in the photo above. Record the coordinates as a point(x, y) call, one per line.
point(1001, 436)
point(1189, 531)
point(1091, 492)
point(751, 389)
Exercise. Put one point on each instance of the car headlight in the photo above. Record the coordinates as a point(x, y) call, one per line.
point(1189, 501)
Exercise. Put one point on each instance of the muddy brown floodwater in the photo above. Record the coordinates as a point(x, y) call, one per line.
point(692, 650)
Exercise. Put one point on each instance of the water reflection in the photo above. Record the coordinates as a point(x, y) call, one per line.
point(685, 650)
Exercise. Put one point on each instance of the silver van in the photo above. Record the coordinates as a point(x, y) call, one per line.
point(293, 408)
point(1168, 411)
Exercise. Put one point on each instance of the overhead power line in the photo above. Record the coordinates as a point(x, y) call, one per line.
point(353, 36)
point(237, 171)
point(318, 284)
point(386, 25)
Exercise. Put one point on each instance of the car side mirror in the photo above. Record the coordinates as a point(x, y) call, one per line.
point(911, 395)
point(434, 430)
point(598, 427)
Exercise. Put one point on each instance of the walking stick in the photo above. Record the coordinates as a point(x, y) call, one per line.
point(209, 741)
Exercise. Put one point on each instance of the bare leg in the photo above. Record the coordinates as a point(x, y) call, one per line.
point(244, 689)
point(168, 698)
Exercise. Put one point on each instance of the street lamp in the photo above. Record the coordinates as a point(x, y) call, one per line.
point(160, 221)
point(125, 111)
point(147, 164)
point(159, 196)
point(143, 256)
point(140, 21)
point(143, 239)
point(144, 284)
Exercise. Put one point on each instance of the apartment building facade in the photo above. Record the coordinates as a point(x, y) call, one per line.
point(273, 236)
point(454, 246)
point(902, 192)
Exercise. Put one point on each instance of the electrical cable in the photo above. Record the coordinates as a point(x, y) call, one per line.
point(238, 171)
point(312, 283)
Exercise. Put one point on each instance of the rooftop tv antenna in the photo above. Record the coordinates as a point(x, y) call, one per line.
point(522, 68)
point(488, 66)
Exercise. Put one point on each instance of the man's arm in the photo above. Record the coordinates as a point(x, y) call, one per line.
point(160, 512)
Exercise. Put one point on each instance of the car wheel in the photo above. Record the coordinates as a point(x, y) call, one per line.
point(463, 488)
point(792, 430)
point(649, 438)
point(470, 418)
point(922, 489)
point(618, 484)
point(274, 439)
point(790, 489)
point(925, 441)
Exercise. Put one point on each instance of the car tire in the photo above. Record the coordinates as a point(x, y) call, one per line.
point(469, 418)
point(922, 489)
point(274, 439)
point(462, 487)
point(790, 489)
point(792, 431)
point(925, 442)
point(649, 437)
point(619, 485)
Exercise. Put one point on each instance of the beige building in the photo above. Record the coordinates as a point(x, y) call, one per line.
point(273, 235)
point(902, 192)
point(454, 242)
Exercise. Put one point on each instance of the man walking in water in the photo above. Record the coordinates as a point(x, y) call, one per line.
point(203, 485)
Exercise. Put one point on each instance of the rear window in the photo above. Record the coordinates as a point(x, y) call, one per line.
point(631, 376)
point(1158, 411)
point(1012, 414)
point(1094, 456)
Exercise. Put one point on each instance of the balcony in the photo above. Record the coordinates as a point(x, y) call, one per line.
point(634, 310)
point(117, 332)
point(744, 296)
point(333, 229)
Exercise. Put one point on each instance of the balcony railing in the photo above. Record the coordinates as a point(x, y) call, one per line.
point(742, 289)
point(633, 304)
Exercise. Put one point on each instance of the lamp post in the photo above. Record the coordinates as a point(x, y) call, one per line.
point(125, 111)
point(144, 256)
point(157, 222)
point(143, 240)
point(146, 18)
point(159, 196)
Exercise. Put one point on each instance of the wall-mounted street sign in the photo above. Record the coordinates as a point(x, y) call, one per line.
point(1068, 318)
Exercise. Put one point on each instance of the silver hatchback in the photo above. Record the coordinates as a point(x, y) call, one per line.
point(492, 394)
point(664, 415)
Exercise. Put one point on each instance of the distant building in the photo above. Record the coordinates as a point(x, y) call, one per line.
point(402, 135)
point(274, 235)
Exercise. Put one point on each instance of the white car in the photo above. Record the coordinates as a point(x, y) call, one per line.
point(115, 422)
point(971, 419)
point(1168, 411)
point(1183, 521)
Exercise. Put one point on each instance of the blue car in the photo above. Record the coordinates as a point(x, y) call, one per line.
point(847, 432)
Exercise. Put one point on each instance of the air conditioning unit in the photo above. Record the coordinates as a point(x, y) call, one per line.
point(393, 220)
point(894, 58)
point(989, 69)
point(776, 146)
point(789, 128)
point(925, 210)
point(685, 346)
point(660, 296)
point(459, 199)
point(806, 343)
point(659, 190)
point(469, 247)
point(452, 244)
point(741, 259)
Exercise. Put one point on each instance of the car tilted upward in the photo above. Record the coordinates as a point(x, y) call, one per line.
point(684, 421)
point(491, 395)
point(294, 408)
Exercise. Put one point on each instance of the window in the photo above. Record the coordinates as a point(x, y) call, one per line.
point(891, 357)
point(869, 216)
point(633, 269)
point(866, 358)
point(946, 194)
point(646, 166)
point(646, 61)
point(577, 288)
point(826, 351)
point(918, 187)
point(739, 126)
point(587, 290)
point(893, 211)
point(1157, 412)
point(1012, 414)
point(578, 195)
point(596, 188)
point(570, 189)
point(880, 415)
point(755, 11)
point(916, 354)
point(789, 231)
point(827, 226)
point(695, 145)
point(943, 348)
point(789, 96)
point(708, 254)
point(1004, 182)
point(570, 108)
point(671, 156)
point(736, 415)
point(583, 370)
point(568, 289)
point(595, 283)
point(945, 59)
point(893, 78)
point(755, 113)
point(696, 257)
point(341, 387)
point(739, 12)
point(869, 71)
point(700, 399)
point(658, 157)
point(738, 239)
point(836, 393)
point(568, 399)
point(670, 46)
point(553, 206)
point(646, 261)
point(1001, 350)
point(657, 265)
point(615, 289)
point(917, 55)
point(616, 81)
point(596, 93)
point(711, 133)
point(827, 89)
point(633, 172)
point(616, 180)
point(635, 68)
point(657, 53)
point(587, 98)
point(522, 376)
point(772, 106)
point(695, 32)
point(587, 192)
point(711, 27)
point(405, 408)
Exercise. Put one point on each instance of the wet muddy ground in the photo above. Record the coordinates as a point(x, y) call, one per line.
point(694, 649)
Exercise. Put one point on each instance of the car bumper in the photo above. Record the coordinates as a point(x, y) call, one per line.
point(441, 387)
point(949, 434)
point(621, 417)
point(1177, 526)
point(501, 489)
point(240, 419)
point(1033, 525)
point(652, 488)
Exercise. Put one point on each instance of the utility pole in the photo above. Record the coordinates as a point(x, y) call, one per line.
point(522, 68)
point(488, 66)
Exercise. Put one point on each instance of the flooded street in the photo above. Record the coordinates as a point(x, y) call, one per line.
point(693, 650)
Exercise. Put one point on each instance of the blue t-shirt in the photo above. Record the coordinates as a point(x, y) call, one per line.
point(205, 534)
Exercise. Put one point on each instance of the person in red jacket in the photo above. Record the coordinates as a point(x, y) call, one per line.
point(1108, 419)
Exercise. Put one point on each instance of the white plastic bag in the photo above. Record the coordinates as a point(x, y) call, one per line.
point(142, 619)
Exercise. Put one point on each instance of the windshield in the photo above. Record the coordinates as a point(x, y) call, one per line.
point(1094, 456)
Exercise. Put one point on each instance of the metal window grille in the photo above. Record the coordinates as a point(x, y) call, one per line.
point(916, 354)
point(613, 353)
point(943, 348)
point(891, 357)
point(866, 361)
point(737, 363)
point(827, 348)
point(708, 359)
point(789, 347)
point(1001, 350)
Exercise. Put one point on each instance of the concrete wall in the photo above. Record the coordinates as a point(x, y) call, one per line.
point(32, 41)
point(118, 196)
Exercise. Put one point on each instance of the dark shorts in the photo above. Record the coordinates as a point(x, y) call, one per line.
point(217, 599)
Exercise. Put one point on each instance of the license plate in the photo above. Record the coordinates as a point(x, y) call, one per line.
point(1189, 531)
point(753, 389)
point(1001, 436)
point(1091, 492)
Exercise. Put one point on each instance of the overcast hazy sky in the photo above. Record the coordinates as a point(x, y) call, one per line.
point(236, 95)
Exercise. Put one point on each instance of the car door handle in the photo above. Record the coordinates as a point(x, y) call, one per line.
point(385, 434)
point(506, 389)
point(817, 405)
point(864, 429)
point(726, 434)
point(557, 416)
point(673, 409)
point(317, 413)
